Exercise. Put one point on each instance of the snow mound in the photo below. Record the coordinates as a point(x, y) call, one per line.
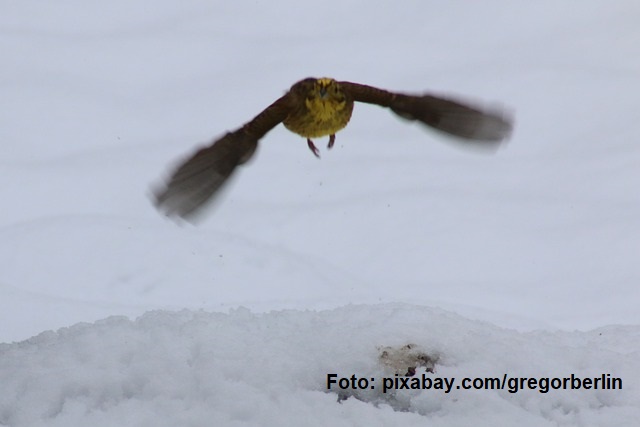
point(192, 368)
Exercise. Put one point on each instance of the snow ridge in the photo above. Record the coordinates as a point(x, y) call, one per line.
point(246, 369)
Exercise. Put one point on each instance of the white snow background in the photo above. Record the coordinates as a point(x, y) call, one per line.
point(523, 262)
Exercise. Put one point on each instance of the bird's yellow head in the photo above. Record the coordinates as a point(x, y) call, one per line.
point(325, 90)
point(324, 97)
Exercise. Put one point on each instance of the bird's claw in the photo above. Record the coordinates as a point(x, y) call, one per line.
point(313, 148)
point(332, 140)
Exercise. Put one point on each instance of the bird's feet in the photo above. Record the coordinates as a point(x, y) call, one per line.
point(332, 140)
point(313, 148)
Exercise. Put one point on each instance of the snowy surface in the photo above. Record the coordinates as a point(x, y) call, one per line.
point(243, 369)
point(501, 257)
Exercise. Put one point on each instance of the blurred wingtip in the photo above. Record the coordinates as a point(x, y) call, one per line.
point(198, 180)
point(186, 201)
point(157, 198)
point(494, 128)
point(497, 125)
point(472, 124)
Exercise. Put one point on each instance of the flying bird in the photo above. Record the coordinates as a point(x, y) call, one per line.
point(314, 108)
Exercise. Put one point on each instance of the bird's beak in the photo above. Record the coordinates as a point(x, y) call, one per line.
point(323, 92)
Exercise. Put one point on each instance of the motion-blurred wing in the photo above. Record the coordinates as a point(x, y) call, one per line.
point(446, 115)
point(199, 177)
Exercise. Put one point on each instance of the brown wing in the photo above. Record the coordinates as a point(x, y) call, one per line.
point(446, 115)
point(200, 176)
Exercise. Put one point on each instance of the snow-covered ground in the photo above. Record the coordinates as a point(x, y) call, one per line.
point(192, 368)
point(524, 262)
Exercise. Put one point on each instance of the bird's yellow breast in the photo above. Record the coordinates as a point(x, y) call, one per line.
point(326, 110)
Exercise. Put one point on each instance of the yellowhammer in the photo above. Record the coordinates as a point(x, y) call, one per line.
point(315, 108)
